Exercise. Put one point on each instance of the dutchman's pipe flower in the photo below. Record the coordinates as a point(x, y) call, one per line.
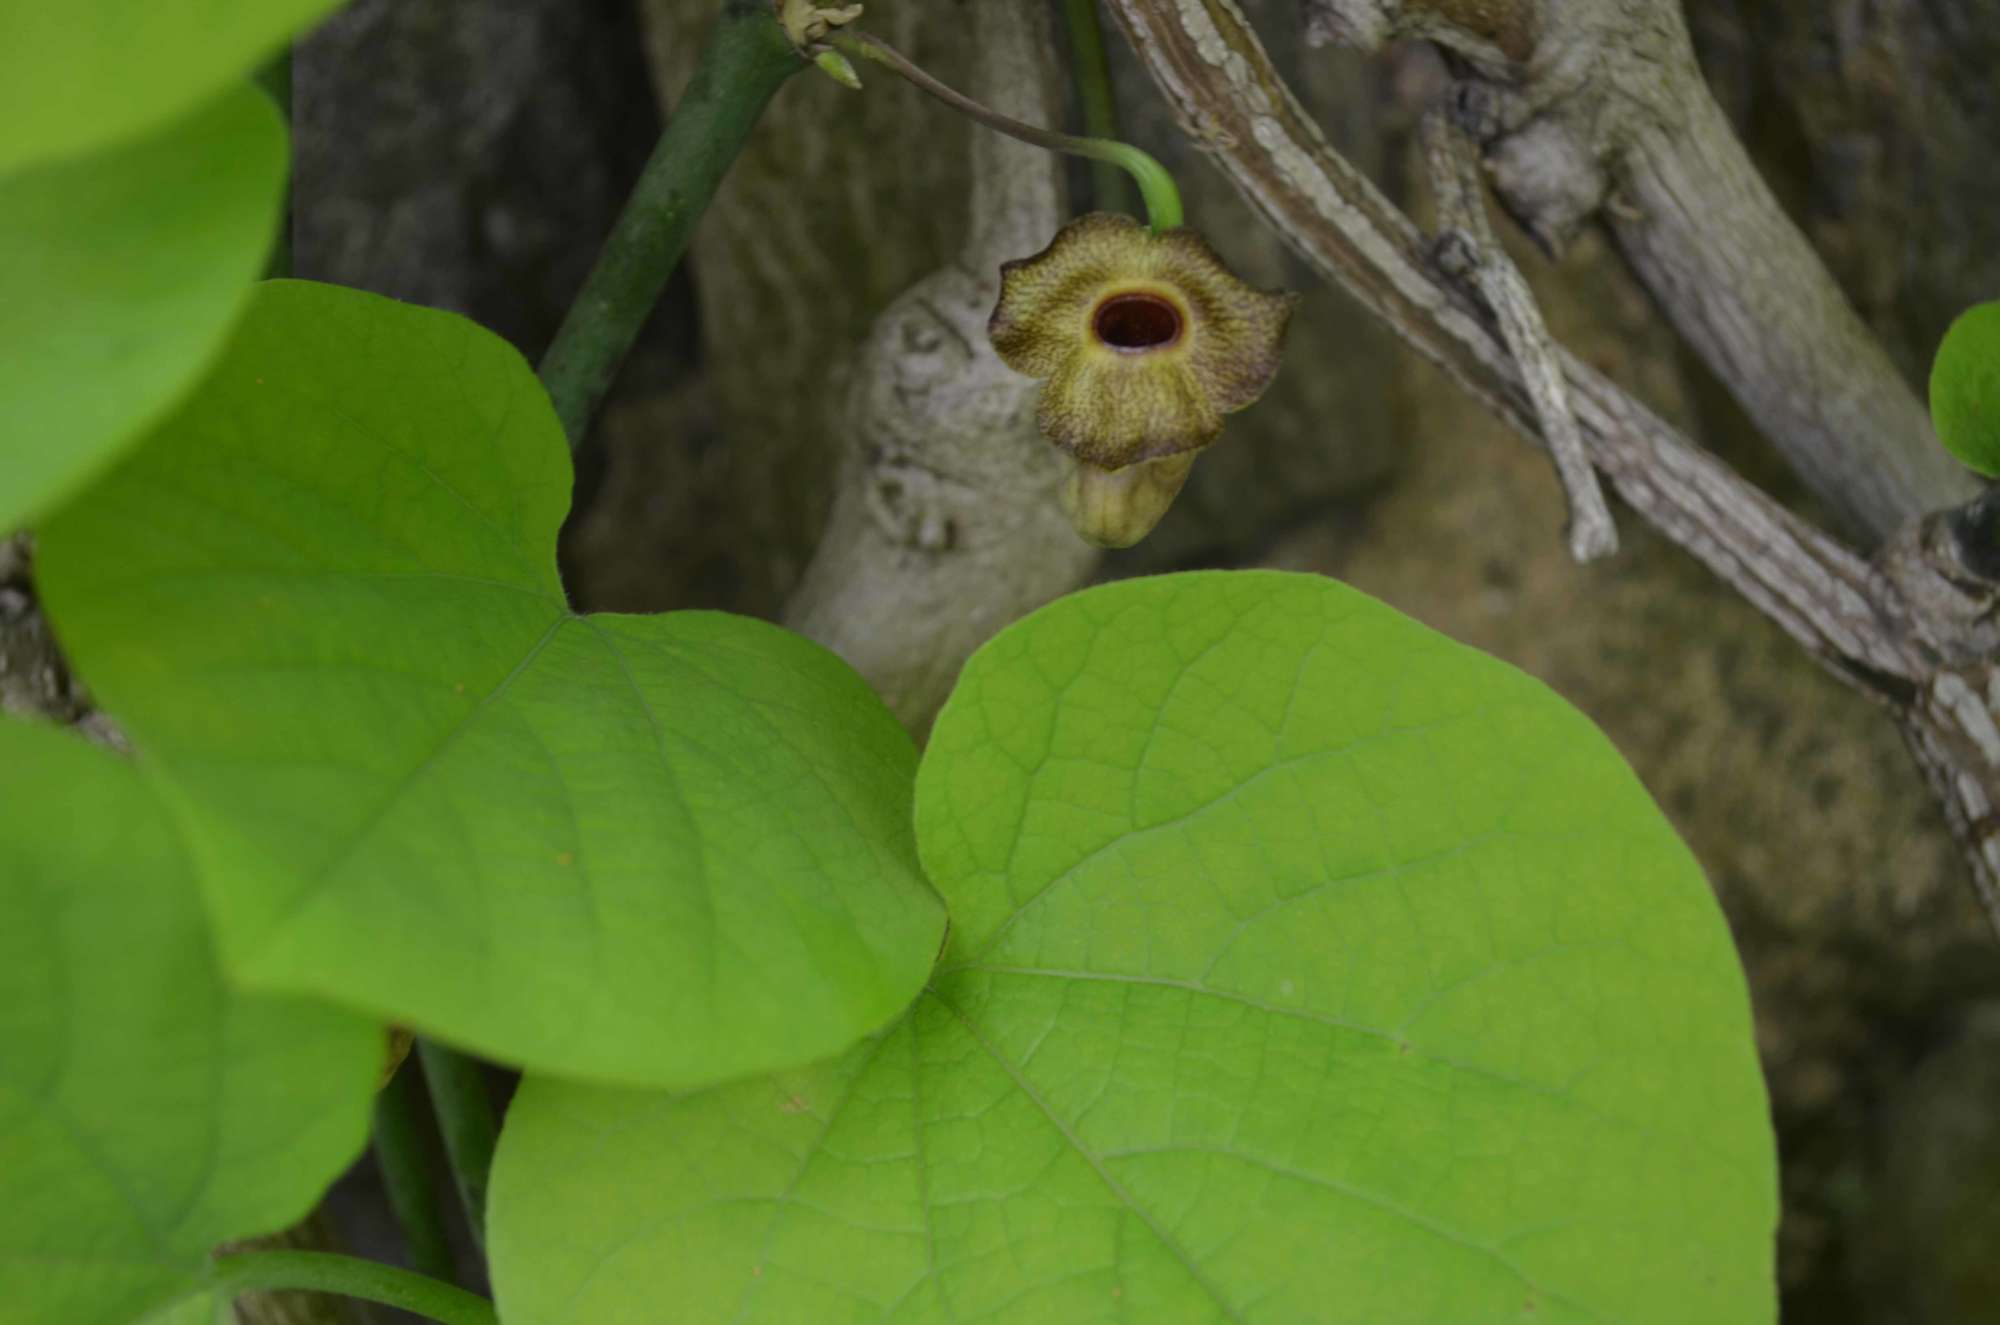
point(1144, 341)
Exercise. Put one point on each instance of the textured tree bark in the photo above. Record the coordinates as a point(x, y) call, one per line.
point(1590, 107)
point(1875, 124)
point(1752, 298)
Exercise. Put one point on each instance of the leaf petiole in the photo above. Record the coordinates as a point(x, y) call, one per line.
point(465, 1117)
point(1156, 186)
point(349, 1276)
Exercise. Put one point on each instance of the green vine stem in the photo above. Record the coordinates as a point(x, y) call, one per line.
point(747, 59)
point(465, 1117)
point(1156, 186)
point(349, 1276)
point(409, 1174)
point(275, 77)
point(1092, 70)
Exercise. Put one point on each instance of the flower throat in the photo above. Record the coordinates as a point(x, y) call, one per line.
point(1135, 323)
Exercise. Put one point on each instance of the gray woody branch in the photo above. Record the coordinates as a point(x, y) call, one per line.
point(1467, 250)
point(1593, 108)
point(1917, 632)
point(945, 524)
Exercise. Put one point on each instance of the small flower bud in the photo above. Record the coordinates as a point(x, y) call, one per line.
point(1118, 507)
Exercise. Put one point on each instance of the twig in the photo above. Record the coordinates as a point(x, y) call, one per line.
point(1469, 250)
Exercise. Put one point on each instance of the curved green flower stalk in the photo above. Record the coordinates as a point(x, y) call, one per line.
point(1156, 187)
point(1144, 341)
point(1091, 69)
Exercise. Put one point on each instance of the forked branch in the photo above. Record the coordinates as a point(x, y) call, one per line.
point(1591, 109)
point(1467, 250)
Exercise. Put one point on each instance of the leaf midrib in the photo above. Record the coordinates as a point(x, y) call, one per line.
point(1104, 1175)
point(314, 883)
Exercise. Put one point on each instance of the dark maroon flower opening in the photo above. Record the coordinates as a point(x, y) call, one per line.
point(1132, 323)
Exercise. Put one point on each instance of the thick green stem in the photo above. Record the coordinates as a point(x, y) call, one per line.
point(349, 1276)
point(275, 77)
point(404, 1153)
point(465, 1117)
point(747, 59)
point(1156, 186)
point(1092, 69)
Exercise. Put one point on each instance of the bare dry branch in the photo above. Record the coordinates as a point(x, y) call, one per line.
point(1467, 250)
point(1597, 107)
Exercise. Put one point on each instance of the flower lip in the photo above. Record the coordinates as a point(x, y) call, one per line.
point(1142, 341)
point(1133, 322)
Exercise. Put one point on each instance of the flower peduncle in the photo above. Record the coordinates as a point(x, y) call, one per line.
point(1156, 186)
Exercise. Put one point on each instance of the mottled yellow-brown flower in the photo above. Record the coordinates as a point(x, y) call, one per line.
point(1144, 342)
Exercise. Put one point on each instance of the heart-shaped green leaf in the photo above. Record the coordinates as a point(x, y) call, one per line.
point(1305, 966)
point(122, 273)
point(323, 597)
point(1965, 389)
point(146, 1111)
point(87, 74)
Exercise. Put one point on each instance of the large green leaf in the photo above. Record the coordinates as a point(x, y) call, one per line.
point(1305, 966)
point(86, 74)
point(1965, 389)
point(656, 850)
point(146, 1112)
point(120, 275)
